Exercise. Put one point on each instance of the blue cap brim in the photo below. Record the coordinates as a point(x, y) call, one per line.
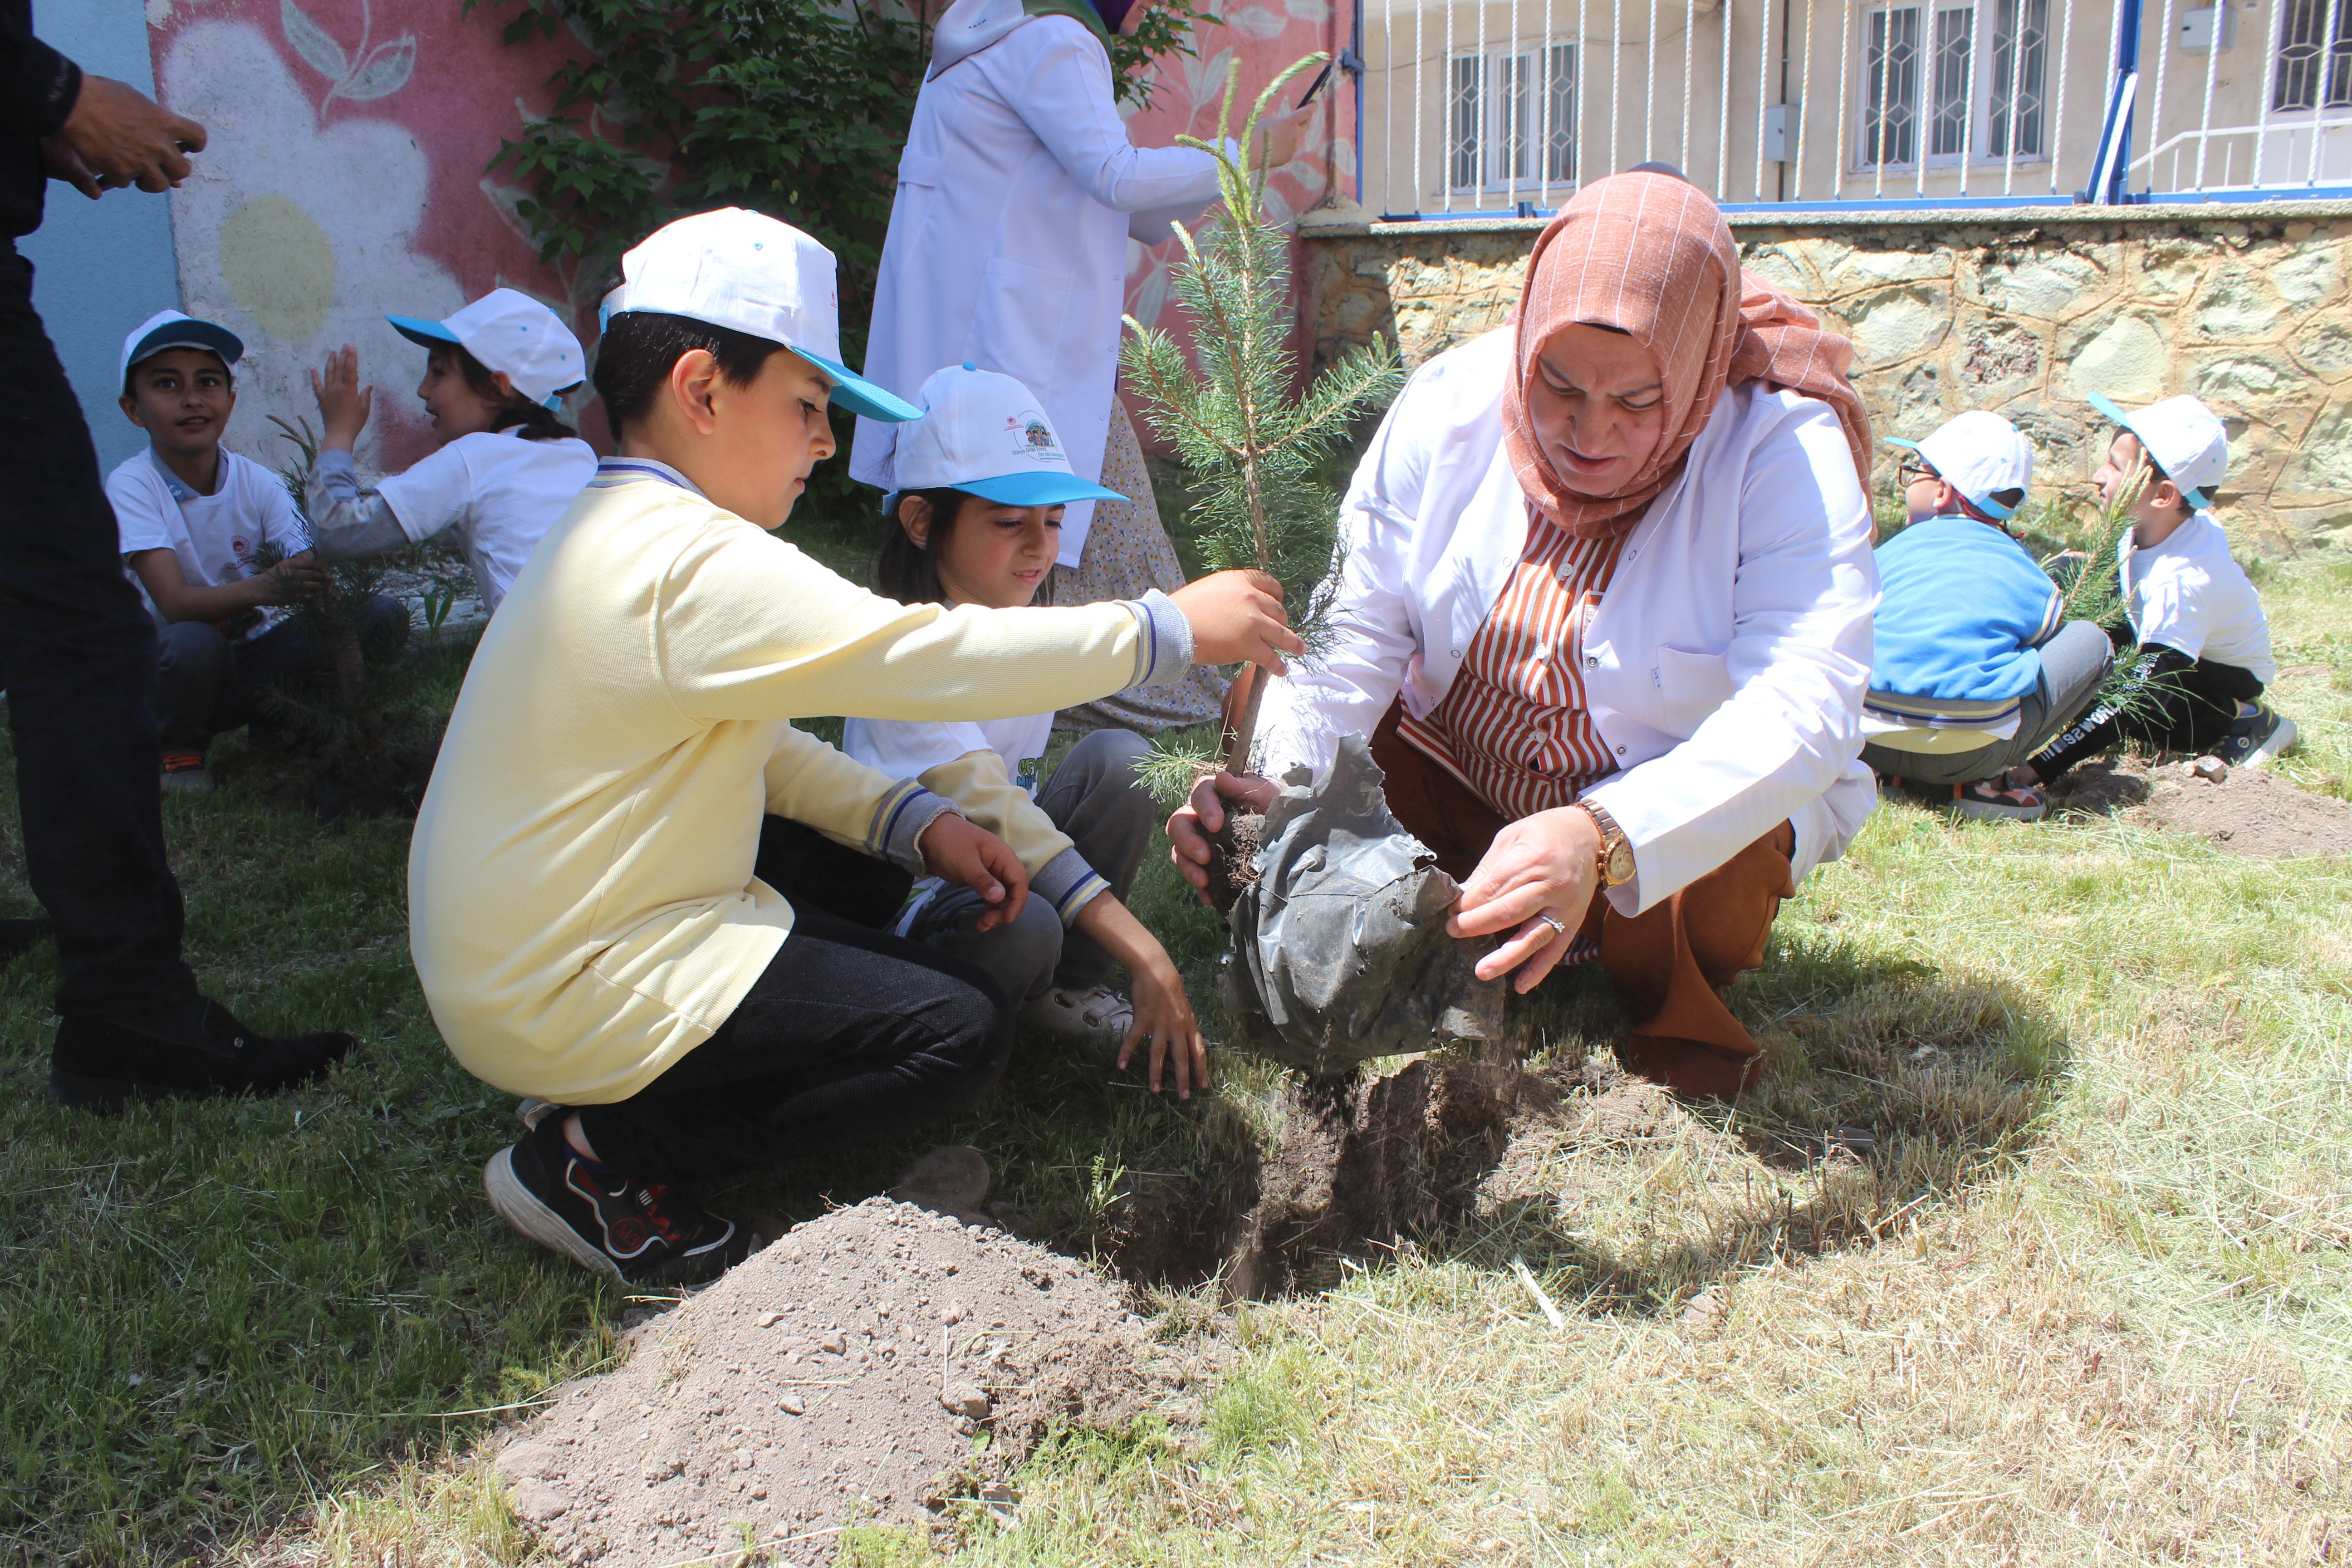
point(205, 335)
point(1036, 489)
point(859, 396)
point(424, 333)
point(2107, 405)
point(1899, 441)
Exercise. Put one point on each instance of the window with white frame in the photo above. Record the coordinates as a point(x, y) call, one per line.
point(2304, 59)
point(1929, 74)
point(1510, 118)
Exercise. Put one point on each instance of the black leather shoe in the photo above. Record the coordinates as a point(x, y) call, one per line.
point(102, 1061)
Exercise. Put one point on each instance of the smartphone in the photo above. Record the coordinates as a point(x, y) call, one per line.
point(1315, 86)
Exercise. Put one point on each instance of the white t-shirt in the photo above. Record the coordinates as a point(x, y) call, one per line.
point(2189, 593)
point(218, 537)
point(909, 747)
point(501, 492)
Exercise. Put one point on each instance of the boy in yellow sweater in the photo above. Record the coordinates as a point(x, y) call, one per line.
point(582, 909)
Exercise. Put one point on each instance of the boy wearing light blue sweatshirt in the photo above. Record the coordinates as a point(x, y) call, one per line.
point(1973, 670)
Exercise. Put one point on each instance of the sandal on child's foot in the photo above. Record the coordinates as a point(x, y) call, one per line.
point(1993, 800)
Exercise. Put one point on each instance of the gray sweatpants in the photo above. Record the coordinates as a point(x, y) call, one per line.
point(2074, 663)
point(1095, 798)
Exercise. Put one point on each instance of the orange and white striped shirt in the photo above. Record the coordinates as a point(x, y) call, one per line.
point(1514, 727)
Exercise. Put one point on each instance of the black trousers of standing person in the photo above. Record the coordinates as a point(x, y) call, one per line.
point(849, 1036)
point(78, 658)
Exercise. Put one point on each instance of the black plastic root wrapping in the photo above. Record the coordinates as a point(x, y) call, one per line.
point(1339, 951)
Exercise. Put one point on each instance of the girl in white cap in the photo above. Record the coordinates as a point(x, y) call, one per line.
point(495, 376)
point(1019, 194)
point(977, 520)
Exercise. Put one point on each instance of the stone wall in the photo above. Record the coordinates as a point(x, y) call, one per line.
point(2248, 307)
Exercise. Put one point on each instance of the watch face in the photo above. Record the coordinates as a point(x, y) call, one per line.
point(1620, 863)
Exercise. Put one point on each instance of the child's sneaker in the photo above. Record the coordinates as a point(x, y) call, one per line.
point(186, 770)
point(533, 1110)
point(638, 1231)
point(1094, 1014)
point(1993, 800)
point(2256, 738)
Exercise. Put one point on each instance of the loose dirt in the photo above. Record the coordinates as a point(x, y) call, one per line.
point(839, 1375)
point(2254, 813)
point(1232, 858)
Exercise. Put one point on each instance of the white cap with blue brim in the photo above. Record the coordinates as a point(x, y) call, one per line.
point(171, 330)
point(985, 435)
point(748, 272)
point(508, 330)
point(2184, 439)
point(1979, 454)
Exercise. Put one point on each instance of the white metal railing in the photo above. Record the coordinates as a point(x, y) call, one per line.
point(1498, 106)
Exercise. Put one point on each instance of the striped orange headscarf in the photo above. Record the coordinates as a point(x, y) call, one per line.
point(1651, 255)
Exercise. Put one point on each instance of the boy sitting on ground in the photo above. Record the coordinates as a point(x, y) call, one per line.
point(2204, 645)
point(197, 524)
point(1972, 672)
point(585, 907)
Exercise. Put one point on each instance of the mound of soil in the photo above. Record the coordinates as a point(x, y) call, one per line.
point(839, 1375)
point(2255, 814)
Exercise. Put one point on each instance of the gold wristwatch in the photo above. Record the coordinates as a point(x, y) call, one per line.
point(1614, 863)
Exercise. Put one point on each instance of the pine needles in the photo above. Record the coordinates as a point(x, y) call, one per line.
point(1255, 451)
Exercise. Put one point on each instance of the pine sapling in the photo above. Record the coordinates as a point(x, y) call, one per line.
point(1254, 449)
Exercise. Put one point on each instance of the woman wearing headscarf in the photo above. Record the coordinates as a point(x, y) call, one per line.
point(1007, 250)
point(1605, 612)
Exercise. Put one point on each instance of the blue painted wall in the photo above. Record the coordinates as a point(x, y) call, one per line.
point(101, 268)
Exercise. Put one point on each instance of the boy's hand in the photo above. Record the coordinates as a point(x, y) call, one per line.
point(1163, 1014)
point(343, 404)
point(126, 139)
point(292, 580)
point(970, 855)
point(1237, 617)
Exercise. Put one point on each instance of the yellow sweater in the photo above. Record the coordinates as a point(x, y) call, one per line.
point(582, 907)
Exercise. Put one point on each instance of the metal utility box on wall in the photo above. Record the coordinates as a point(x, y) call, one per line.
point(2197, 29)
point(1779, 145)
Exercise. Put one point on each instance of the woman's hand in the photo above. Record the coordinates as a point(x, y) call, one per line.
point(970, 856)
point(343, 404)
point(1280, 137)
point(1190, 826)
point(1538, 870)
point(1237, 617)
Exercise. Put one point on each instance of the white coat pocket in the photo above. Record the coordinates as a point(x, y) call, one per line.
point(1017, 325)
point(1691, 686)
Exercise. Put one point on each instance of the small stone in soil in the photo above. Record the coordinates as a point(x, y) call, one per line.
point(966, 1399)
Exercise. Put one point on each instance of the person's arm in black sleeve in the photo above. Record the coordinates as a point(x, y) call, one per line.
point(2149, 702)
point(37, 85)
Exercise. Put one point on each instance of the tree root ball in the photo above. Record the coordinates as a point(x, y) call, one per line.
point(1232, 858)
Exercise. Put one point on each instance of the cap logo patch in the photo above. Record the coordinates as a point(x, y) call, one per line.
point(1032, 438)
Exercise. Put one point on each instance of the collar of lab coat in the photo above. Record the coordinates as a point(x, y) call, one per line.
point(970, 25)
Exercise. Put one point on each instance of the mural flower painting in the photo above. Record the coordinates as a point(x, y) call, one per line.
point(298, 234)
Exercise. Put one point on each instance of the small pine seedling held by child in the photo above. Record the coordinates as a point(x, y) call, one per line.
point(978, 522)
point(217, 543)
point(495, 377)
point(2204, 645)
point(590, 912)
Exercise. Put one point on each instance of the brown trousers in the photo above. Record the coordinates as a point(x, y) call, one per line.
point(1669, 965)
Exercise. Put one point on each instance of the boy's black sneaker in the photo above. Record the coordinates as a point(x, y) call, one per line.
point(101, 1062)
point(2256, 738)
point(639, 1231)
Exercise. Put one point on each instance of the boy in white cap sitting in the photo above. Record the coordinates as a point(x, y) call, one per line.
point(197, 525)
point(1973, 671)
point(495, 376)
point(2204, 644)
point(978, 520)
point(583, 908)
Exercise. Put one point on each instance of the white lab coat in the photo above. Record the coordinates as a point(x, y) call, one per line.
point(1008, 239)
point(1725, 667)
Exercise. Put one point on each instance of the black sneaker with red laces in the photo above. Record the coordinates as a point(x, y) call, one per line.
point(605, 1221)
